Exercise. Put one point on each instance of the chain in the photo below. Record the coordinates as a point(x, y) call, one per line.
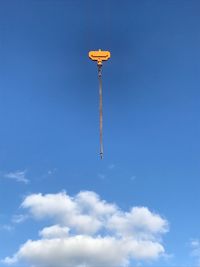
point(100, 109)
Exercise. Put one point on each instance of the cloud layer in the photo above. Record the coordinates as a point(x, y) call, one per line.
point(87, 231)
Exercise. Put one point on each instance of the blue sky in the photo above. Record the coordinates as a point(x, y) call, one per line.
point(50, 132)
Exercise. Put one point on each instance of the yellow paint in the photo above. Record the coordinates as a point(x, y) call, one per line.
point(99, 56)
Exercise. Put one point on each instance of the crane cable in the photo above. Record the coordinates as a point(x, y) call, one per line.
point(100, 56)
point(100, 109)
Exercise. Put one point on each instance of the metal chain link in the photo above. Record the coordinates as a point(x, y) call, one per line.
point(100, 109)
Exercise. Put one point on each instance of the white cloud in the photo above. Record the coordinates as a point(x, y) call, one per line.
point(91, 203)
point(89, 232)
point(139, 222)
point(195, 246)
point(55, 231)
point(19, 176)
point(61, 208)
point(85, 212)
point(85, 251)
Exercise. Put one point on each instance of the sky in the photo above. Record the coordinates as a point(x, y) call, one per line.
point(60, 204)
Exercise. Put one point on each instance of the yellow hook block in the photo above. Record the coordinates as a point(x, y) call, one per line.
point(99, 56)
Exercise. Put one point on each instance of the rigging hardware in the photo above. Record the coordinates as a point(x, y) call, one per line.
point(100, 56)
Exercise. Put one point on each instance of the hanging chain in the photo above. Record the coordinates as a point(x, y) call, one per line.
point(100, 109)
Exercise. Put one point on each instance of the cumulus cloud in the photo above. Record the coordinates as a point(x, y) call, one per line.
point(19, 176)
point(85, 212)
point(139, 222)
point(55, 231)
point(84, 250)
point(89, 232)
